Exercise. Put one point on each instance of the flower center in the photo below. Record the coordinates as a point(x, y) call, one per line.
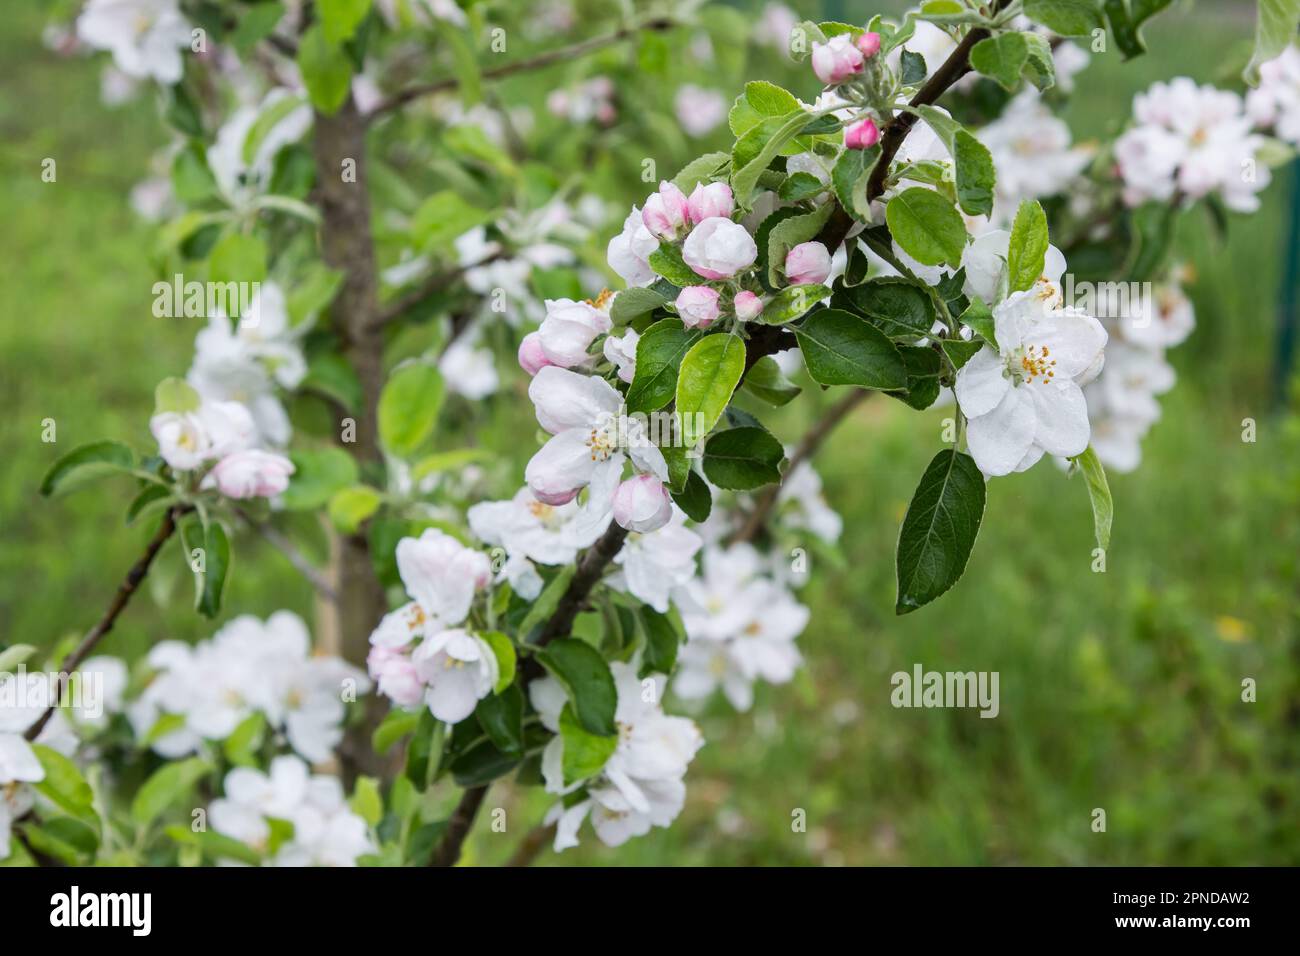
point(1031, 362)
point(602, 442)
point(452, 663)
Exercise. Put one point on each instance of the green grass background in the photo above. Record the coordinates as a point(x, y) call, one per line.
point(1119, 690)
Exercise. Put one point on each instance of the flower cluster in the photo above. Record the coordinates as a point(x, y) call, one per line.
point(257, 806)
point(640, 785)
point(1275, 103)
point(420, 652)
point(1191, 140)
point(206, 691)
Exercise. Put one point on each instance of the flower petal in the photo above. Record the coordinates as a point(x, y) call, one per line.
point(1062, 418)
point(1000, 439)
point(981, 383)
point(565, 399)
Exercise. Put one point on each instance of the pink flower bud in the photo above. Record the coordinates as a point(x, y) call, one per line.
point(665, 212)
point(531, 357)
point(712, 200)
point(748, 306)
point(868, 44)
point(861, 135)
point(642, 504)
point(718, 248)
point(836, 60)
point(250, 474)
point(395, 674)
point(698, 306)
point(807, 263)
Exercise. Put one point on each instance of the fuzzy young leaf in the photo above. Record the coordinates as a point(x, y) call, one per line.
point(840, 348)
point(927, 226)
point(1027, 250)
point(850, 177)
point(1001, 58)
point(939, 529)
point(1067, 18)
point(709, 374)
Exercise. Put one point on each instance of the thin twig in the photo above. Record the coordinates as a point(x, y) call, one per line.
point(532, 844)
point(120, 600)
point(812, 440)
point(541, 60)
point(433, 284)
point(281, 543)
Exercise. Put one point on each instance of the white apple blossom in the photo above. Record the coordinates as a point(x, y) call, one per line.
point(325, 830)
point(591, 439)
point(458, 670)
point(146, 37)
point(1191, 140)
point(642, 504)
point(469, 369)
point(1032, 153)
point(528, 528)
point(1275, 103)
point(621, 351)
point(699, 110)
point(652, 565)
point(629, 252)
point(1024, 398)
point(641, 784)
point(241, 176)
point(568, 330)
point(188, 440)
point(250, 473)
point(18, 768)
point(803, 506)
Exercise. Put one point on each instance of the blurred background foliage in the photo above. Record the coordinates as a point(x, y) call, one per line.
point(1119, 690)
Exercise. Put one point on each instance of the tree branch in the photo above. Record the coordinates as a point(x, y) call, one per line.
point(125, 591)
point(432, 285)
point(537, 62)
point(531, 845)
point(812, 440)
point(281, 543)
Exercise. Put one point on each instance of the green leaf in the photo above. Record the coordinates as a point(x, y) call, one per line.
point(502, 718)
point(63, 783)
point(914, 69)
point(408, 408)
point(923, 367)
point(1276, 22)
point(662, 641)
point(702, 169)
point(633, 303)
point(255, 25)
point(710, 372)
point(768, 383)
point(425, 749)
point(1067, 18)
point(755, 150)
point(14, 655)
point(242, 745)
point(1103, 507)
point(850, 177)
point(792, 302)
point(667, 261)
point(1001, 57)
point(67, 839)
point(366, 801)
point(742, 459)
point(396, 724)
point(175, 395)
point(978, 318)
point(85, 464)
point(211, 581)
point(841, 348)
point(444, 217)
point(975, 174)
point(481, 763)
point(586, 679)
point(960, 351)
point(1027, 250)
point(927, 226)
point(216, 845)
point(238, 257)
point(800, 186)
point(165, 787)
point(546, 603)
point(1041, 66)
point(350, 507)
point(317, 475)
point(894, 305)
point(313, 293)
point(939, 529)
point(768, 99)
point(326, 70)
point(504, 650)
point(1126, 18)
point(695, 499)
point(452, 460)
point(584, 753)
point(1151, 228)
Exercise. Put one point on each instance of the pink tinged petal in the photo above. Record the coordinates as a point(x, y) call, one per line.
point(981, 383)
point(999, 439)
point(1062, 418)
point(565, 399)
point(562, 467)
